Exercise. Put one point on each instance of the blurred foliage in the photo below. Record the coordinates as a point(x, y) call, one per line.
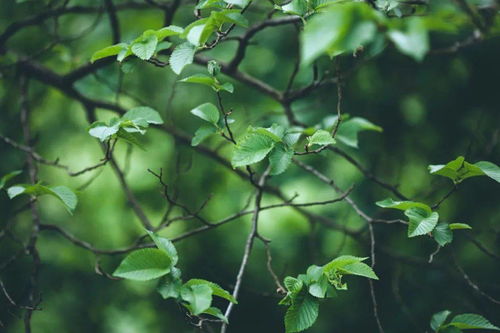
point(432, 111)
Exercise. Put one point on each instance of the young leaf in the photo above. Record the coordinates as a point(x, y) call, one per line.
point(458, 226)
point(342, 261)
point(168, 287)
point(171, 30)
point(182, 55)
point(207, 112)
point(144, 265)
point(360, 269)
point(166, 246)
point(402, 205)
point(198, 296)
point(210, 81)
point(471, 321)
point(293, 285)
point(421, 221)
point(108, 51)
point(302, 313)
point(320, 137)
point(442, 234)
point(457, 170)
point(216, 289)
point(252, 148)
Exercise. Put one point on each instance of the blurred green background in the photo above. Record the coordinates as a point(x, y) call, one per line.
point(431, 112)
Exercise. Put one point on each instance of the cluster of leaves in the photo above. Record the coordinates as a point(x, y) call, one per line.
point(160, 263)
point(305, 292)
point(422, 219)
point(465, 321)
point(65, 195)
point(459, 170)
point(133, 122)
point(341, 27)
point(191, 38)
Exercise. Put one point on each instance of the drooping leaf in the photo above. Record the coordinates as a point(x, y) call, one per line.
point(182, 56)
point(402, 205)
point(302, 313)
point(252, 148)
point(62, 193)
point(168, 287)
point(216, 312)
point(421, 221)
point(144, 265)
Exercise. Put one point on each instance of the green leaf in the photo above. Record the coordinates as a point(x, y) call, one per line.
point(104, 131)
point(442, 234)
point(342, 261)
point(144, 265)
point(182, 55)
point(402, 205)
point(360, 269)
point(457, 170)
point(202, 133)
point(171, 30)
point(131, 138)
point(145, 47)
point(413, 42)
point(168, 287)
point(252, 148)
point(216, 312)
point(5, 179)
point(240, 3)
point(458, 226)
point(293, 285)
point(280, 159)
point(296, 7)
point(199, 297)
point(340, 28)
point(216, 289)
point(421, 221)
point(438, 319)
point(349, 129)
point(302, 313)
point(108, 51)
point(209, 81)
point(207, 112)
point(143, 114)
point(166, 246)
point(471, 321)
point(320, 137)
point(491, 170)
point(62, 193)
